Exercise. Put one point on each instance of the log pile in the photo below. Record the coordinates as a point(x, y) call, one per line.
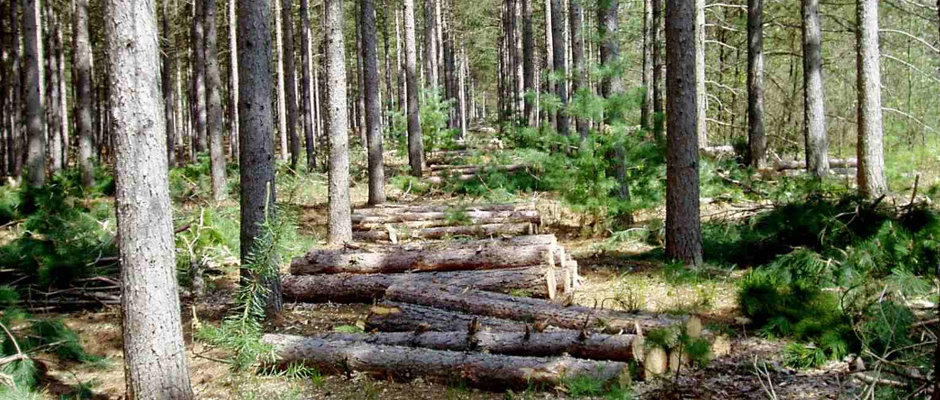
point(464, 173)
point(395, 222)
point(495, 312)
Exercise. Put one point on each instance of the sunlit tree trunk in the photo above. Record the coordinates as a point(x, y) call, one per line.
point(281, 95)
point(757, 141)
point(372, 106)
point(169, 93)
point(35, 89)
point(871, 159)
point(578, 73)
point(814, 101)
point(199, 77)
point(646, 112)
point(16, 115)
point(214, 104)
point(306, 93)
point(340, 223)
point(233, 78)
point(701, 101)
point(558, 64)
point(415, 142)
point(430, 44)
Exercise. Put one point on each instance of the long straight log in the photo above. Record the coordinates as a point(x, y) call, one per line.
point(387, 209)
point(390, 316)
point(467, 175)
point(533, 344)
point(444, 231)
point(474, 169)
point(353, 288)
point(499, 305)
point(527, 215)
point(833, 163)
point(487, 370)
point(422, 260)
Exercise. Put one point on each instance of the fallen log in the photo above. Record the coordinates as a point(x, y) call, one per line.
point(444, 231)
point(390, 316)
point(532, 344)
point(523, 309)
point(833, 163)
point(358, 288)
point(390, 209)
point(488, 370)
point(475, 169)
point(421, 260)
point(456, 217)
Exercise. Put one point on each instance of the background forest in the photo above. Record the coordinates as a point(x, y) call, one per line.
point(737, 197)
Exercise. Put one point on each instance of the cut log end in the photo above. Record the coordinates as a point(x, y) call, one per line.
point(655, 363)
point(550, 283)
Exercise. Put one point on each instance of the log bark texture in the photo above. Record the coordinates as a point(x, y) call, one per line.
point(391, 218)
point(391, 316)
point(351, 288)
point(833, 163)
point(421, 260)
point(441, 232)
point(535, 344)
point(489, 370)
point(388, 209)
point(499, 305)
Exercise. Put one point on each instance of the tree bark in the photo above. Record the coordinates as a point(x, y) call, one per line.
point(701, 98)
point(233, 79)
point(281, 84)
point(35, 89)
point(390, 316)
point(372, 106)
point(535, 344)
point(340, 226)
point(558, 64)
point(415, 142)
point(757, 140)
point(683, 229)
point(612, 86)
point(13, 139)
point(214, 104)
point(306, 93)
point(361, 288)
point(290, 79)
point(387, 209)
point(646, 111)
point(814, 101)
point(422, 259)
point(430, 44)
point(871, 159)
point(82, 67)
point(656, 39)
point(199, 78)
point(154, 352)
point(504, 306)
point(488, 370)
point(457, 215)
point(442, 232)
point(578, 72)
point(801, 164)
point(169, 92)
point(255, 127)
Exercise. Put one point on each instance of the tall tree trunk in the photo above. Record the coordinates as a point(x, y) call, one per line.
point(257, 188)
point(757, 141)
point(53, 115)
point(169, 93)
point(558, 64)
point(35, 89)
point(154, 351)
point(578, 72)
point(290, 79)
point(646, 111)
point(63, 123)
point(359, 99)
point(214, 103)
point(657, 41)
point(528, 62)
point(5, 105)
point(401, 62)
point(683, 229)
point(415, 142)
point(16, 115)
point(199, 77)
point(233, 78)
point(549, 57)
point(814, 101)
point(373, 108)
point(701, 101)
point(871, 159)
point(430, 47)
point(608, 19)
point(281, 85)
point(340, 224)
point(306, 90)
point(386, 40)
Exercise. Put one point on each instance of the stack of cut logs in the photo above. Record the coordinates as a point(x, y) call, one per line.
point(399, 222)
point(495, 312)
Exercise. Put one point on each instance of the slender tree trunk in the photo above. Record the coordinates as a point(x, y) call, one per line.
point(254, 135)
point(549, 58)
point(340, 224)
point(528, 63)
point(646, 111)
point(5, 106)
point(359, 99)
point(154, 351)
point(814, 102)
point(401, 62)
point(757, 141)
point(35, 88)
point(233, 78)
point(199, 77)
point(63, 123)
point(656, 40)
point(387, 8)
point(871, 159)
point(578, 73)
point(430, 47)
point(306, 90)
point(281, 85)
point(683, 229)
point(214, 103)
point(16, 115)
point(612, 86)
point(53, 116)
point(169, 94)
point(701, 99)
point(415, 142)
point(290, 79)
point(373, 108)
point(558, 64)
